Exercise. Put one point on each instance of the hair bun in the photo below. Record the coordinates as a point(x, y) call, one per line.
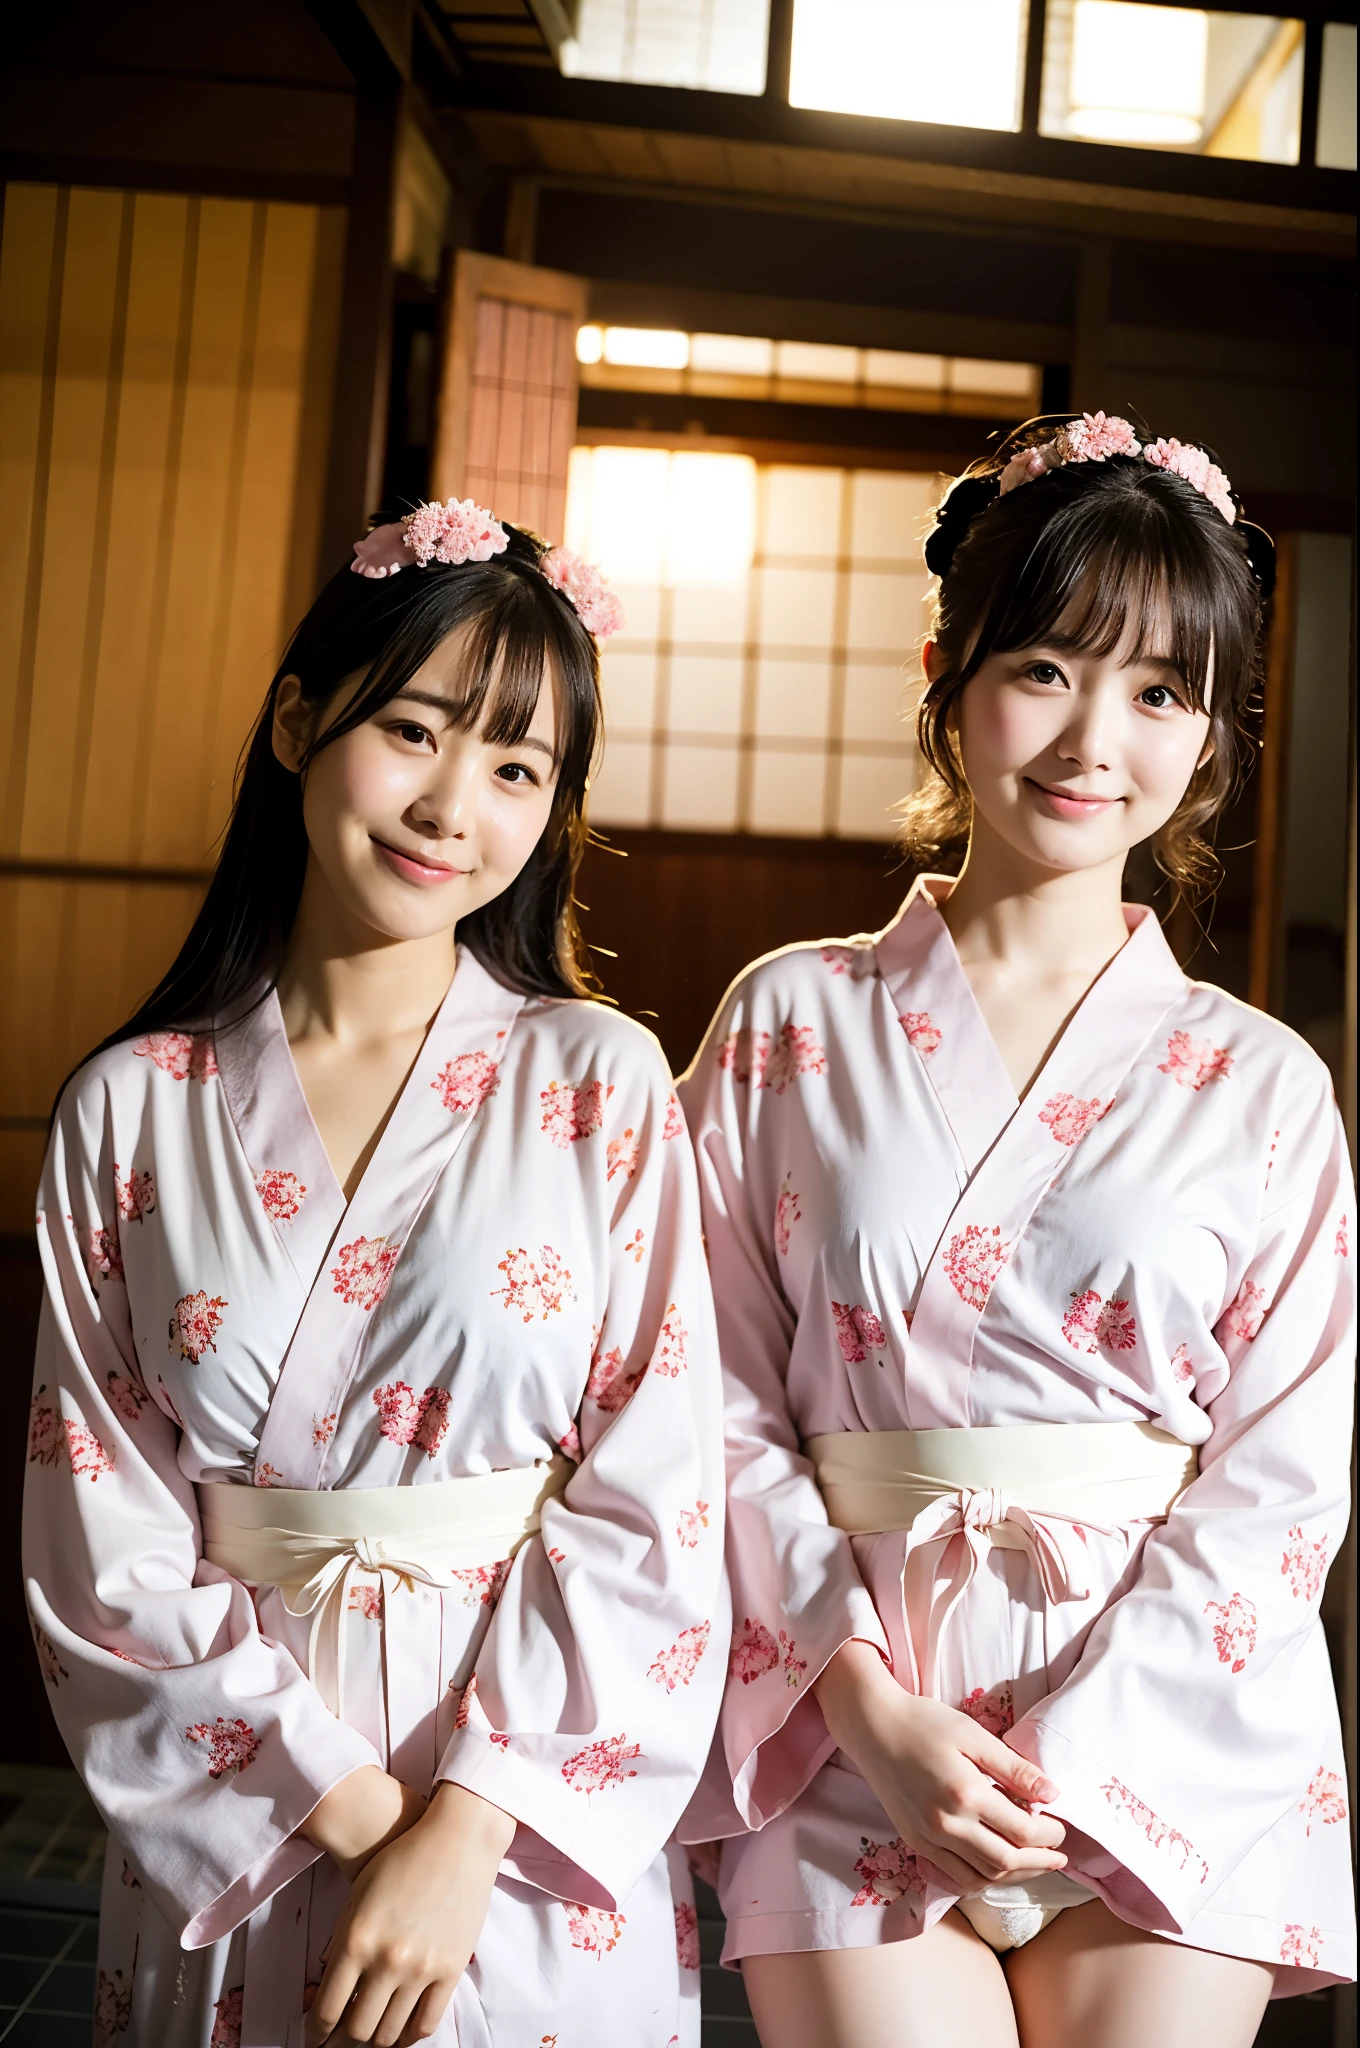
point(955, 514)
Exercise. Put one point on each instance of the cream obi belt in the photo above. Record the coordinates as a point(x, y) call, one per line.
point(311, 1545)
point(1032, 1487)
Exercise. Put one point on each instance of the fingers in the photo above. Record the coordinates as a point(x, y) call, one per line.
point(1015, 1825)
point(428, 2013)
point(378, 1993)
point(328, 2007)
point(1014, 1774)
point(394, 2024)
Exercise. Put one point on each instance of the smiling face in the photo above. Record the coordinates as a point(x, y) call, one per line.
point(413, 824)
point(1072, 757)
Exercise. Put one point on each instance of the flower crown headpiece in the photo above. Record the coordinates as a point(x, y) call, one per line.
point(463, 532)
point(1095, 437)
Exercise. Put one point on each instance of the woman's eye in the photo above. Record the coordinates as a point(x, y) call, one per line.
point(517, 775)
point(414, 735)
point(1159, 697)
point(1045, 672)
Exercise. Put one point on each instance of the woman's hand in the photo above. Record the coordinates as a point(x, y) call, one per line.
point(361, 1815)
point(412, 1922)
point(956, 1795)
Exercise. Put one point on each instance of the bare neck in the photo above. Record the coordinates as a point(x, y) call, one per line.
point(346, 983)
point(1034, 923)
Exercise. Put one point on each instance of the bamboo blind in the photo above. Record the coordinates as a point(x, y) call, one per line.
point(165, 373)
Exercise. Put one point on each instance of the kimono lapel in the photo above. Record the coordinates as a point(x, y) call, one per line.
point(456, 1071)
point(936, 1009)
point(293, 1177)
point(1074, 1089)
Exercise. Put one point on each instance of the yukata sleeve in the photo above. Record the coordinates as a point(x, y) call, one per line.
point(203, 1746)
point(1202, 1706)
point(592, 1705)
point(797, 1593)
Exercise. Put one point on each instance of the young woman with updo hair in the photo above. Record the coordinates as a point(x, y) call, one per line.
point(1033, 1263)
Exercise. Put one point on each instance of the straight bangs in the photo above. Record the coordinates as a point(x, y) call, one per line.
point(1099, 583)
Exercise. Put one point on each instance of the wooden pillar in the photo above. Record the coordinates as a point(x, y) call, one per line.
point(1266, 973)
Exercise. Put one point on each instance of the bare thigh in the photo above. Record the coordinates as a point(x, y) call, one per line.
point(1090, 1981)
point(942, 1989)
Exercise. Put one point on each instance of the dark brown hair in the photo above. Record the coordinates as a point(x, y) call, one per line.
point(519, 629)
point(1069, 560)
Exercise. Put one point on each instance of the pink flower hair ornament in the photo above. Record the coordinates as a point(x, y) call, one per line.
point(461, 532)
point(1097, 435)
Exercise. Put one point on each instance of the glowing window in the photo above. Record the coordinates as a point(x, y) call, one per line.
point(774, 612)
point(1180, 78)
point(957, 62)
point(695, 43)
point(1336, 102)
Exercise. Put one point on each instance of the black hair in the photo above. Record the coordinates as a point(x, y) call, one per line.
point(1069, 559)
point(519, 628)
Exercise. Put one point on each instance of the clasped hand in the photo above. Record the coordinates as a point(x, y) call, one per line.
point(956, 1795)
point(421, 1878)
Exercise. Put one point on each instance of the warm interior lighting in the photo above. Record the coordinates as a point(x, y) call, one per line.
point(951, 61)
point(646, 348)
point(1138, 72)
point(731, 355)
point(650, 516)
point(589, 344)
point(896, 369)
point(817, 362)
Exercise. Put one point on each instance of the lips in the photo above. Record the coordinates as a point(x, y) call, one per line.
point(1070, 803)
point(417, 867)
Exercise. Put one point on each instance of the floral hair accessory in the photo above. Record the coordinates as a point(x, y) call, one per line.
point(453, 533)
point(1096, 436)
point(585, 590)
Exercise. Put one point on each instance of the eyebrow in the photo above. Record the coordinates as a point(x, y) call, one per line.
point(447, 706)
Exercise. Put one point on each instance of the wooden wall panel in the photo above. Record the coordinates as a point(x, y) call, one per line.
point(165, 382)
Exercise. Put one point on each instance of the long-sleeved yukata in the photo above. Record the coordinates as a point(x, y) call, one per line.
point(1160, 1233)
point(520, 1269)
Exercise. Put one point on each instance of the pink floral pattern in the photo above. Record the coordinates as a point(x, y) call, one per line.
point(994, 1710)
point(691, 1521)
point(794, 1052)
point(973, 1258)
point(176, 1053)
point(281, 1193)
point(889, 1872)
point(1094, 437)
point(1341, 1244)
point(786, 1214)
point(365, 1597)
point(104, 1255)
point(1069, 1117)
point(601, 1764)
point(463, 1711)
point(363, 1270)
point(610, 1385)
point(856, 961)
point(46, 1432)
point(534, 1287)
point(323, 1428)
point(405, 1417)
point(113, 2008)
point(669, 1360)
point(923, 1033)
point(464, 1084)
point(266, 1475)
point(678, 1665)
point(571, 1113)
point(1234, 1629)
point(231, 1745)
point(743, 1054)
point(794, 1665)
point(636, 1247)
point(1325, 1800)
point(858, 1332)
point(135, 1196)
point(1304, 1563)
point(1157, 1831)
point(595, 604)
point(1182, 1371)
point(53, 1670)
point(125, 1397)
point(1246, 1311)
point(195, 1324)
point(89, 1459)
point(1093, 1324)
point(1195, 1062)
point(592, 1929)
point(1301, 1946)
point(569, 1444)
point(482, 1584)
point(453, 532)
point(687, 1936)
point(623, 1155)
point(226, 2031)
point(675, 1119)
point(754, 1652)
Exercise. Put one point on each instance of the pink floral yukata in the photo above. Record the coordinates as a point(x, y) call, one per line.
point(520, 1269)
point(1161, 1232)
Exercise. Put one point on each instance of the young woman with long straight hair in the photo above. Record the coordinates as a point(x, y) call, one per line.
point(373, 1510)
point(1033, 1268)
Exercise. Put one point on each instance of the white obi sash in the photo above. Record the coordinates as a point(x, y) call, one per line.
point(1030, 1487)
point(310, 1545)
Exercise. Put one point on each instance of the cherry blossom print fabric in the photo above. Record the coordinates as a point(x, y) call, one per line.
point(1159, 1233)
point(489, 1294)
